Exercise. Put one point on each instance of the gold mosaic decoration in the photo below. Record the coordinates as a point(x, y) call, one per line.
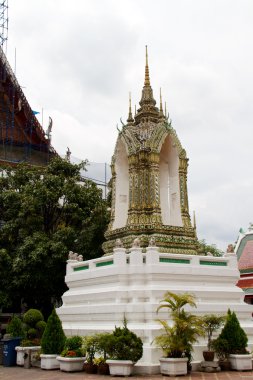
point(143, 137)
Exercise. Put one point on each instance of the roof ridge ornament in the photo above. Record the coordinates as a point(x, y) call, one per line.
point(130, 116)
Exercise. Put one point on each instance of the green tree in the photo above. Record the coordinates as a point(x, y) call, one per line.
point(205, 248)
point(234, 335)
point(45, 212)
point(53, 338)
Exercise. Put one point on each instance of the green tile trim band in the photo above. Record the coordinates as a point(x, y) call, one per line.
point(176, 261)
point(214, 263)
point(84, 267)
point(104, 263)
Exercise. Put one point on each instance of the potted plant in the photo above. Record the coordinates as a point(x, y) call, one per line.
point(212, 323)
point(52, 342)
point(90, 346)
point(102, 348)
point(72, 357)
point(177, 340)
point(221, 348)
point(236, 340)
point(34, 326)
point(125, 348)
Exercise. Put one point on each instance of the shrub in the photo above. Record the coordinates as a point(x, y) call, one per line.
point(235, 336)
point(53, 338)
point(15, 328)
point(32, 316)
point(31, 333)
point(40, 327)
point(74, 342)
point(123, 344)
point(73, 347)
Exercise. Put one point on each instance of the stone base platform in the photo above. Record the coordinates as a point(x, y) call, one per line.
point(105, 290)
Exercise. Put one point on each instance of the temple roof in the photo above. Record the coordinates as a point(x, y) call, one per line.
point(244, 251)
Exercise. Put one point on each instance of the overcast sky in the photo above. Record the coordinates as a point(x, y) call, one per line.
point(78, 61)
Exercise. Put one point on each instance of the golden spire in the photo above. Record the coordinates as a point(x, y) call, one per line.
point(130, 116)
point(147, 80)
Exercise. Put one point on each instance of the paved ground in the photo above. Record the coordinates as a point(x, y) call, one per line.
point(19, 373)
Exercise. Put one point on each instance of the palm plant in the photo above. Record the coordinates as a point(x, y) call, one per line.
point(178, 339)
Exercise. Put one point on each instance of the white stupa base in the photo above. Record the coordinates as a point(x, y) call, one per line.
point(103, 291)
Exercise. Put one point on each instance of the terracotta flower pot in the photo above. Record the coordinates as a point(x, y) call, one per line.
point(103, 369)
point(90, 368)
point(208, 356)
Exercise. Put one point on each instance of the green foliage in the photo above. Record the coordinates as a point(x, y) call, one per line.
point(32, 316)
point(53, 338)
point(90, 346)
point(123, 344)
point(73, 347)
point(234, 335)
point(46, 212)
point(31, 333)
point(205, 248)
point(15, 327)
point(102, 345)
point(221, 347)
point(30, 343)
point(212, 323)
point(177, 340)
point(40, 327)
point(74, 342)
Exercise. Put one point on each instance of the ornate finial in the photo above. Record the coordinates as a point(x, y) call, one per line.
point(135, 110)
point(161, 104)
point(68, 153)
point(165, 109)
point(147, 80)
point(130, 116)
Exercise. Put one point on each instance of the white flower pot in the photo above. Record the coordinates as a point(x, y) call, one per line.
point(49, 361)
point(120, 367)
point(173, 366)
point(241, 362)
point(21, 351)
point(71, 364)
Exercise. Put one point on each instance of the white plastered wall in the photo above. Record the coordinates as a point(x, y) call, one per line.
point(122, 186)
point(169, 184)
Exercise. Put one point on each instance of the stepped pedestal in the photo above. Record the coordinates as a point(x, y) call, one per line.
point(104, 290)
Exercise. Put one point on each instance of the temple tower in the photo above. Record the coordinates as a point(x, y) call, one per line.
point(149, 182)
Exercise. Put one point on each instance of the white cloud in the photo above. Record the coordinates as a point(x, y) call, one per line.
point(79, 60)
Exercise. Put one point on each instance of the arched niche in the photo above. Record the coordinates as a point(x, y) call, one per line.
point(121, 186)
point(169, 184)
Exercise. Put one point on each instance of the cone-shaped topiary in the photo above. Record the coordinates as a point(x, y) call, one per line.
point(53, 338)
point(234, 335)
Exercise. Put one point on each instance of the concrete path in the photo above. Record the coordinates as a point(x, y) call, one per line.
point(19, 373)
